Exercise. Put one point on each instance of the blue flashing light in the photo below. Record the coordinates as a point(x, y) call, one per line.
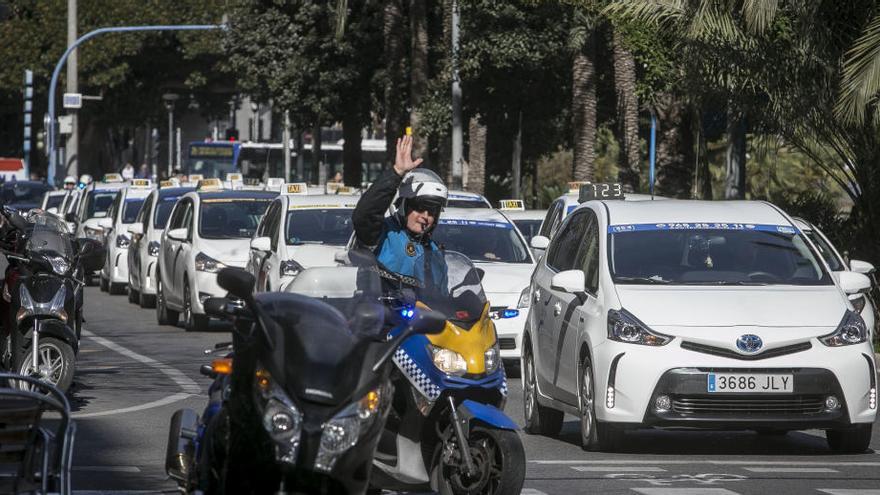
point(407, 313)
point(509, 313)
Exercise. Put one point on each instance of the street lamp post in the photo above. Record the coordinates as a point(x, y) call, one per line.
point(51, 137)
point(169, 99)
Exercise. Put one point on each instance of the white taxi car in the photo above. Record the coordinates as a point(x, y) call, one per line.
point(527, 221)
point(862, 302)
point(93, 205)
point(299, 230)
point(209, 229)
point(495, 246)
point(52, 200)
point(694, 314)
point(146, 233)
point(122, 213)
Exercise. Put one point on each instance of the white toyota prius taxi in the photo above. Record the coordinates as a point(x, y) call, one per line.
point(695, 314)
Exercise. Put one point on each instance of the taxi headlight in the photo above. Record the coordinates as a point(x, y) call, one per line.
point(525, 298)
point(624, 327)
point(95, 234)
point(123, 241)
point(290, 268)
point(205, 263)
point(492, 357)
point(448, 361)
point(153, 248)
point(852, 330)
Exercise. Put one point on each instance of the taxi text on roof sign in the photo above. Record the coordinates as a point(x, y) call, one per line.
point(196, 177)
point(234, 177)
point(512, 204)
point(113, 178)
point(141, 183)
point(173, 182)
point(574, 187)
point(299, 188)
point(332, 187)
point(274, 183)
point(210, 185)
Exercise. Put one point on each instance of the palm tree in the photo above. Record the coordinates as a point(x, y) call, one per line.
point(395, 75)
point(583, 97)
point(627, 113)
point(418, 16)
point(861, 77)
point(476, 165)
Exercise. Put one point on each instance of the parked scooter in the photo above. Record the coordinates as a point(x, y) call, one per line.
point(446, 431)
point(43, 296)
point(308, 388)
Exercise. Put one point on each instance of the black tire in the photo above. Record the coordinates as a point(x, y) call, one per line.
point(540, 420)
point(103, 284)
point(852, 440)
point(191, 321)
point(52, 349)
point(146, 301)
point(132, 295)
point(164, 316)
point(505, 474)
point(595, 435)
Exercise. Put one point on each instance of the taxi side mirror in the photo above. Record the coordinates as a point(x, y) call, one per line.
point(853, 283)
point(859, 266)
point(261, 244)
point(136, 229)
point(178, 234)
point(105, 223)
point(540, 242)
point(571, 281)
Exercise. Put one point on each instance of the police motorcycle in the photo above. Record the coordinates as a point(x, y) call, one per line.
point(42, 293)
point(446, 431)
point(300, 405)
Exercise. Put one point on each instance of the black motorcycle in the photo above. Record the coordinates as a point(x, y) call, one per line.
point(309, 388)
point(43, 296)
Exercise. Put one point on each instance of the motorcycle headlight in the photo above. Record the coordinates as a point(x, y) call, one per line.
point(448, 361)
point(153, 249)
point(852, 330)
point(281, 418)
point(493, 358)
point(123, 241)
point(205, 263)
point(525, 298)
point(344, 430)
point(96, 234)
point(60, 264)
point(290, 268)
point(624, 327)
point(28, 307)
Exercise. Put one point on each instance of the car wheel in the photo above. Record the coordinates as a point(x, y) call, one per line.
point(146, 300)
point(191, 321)
point(540, 420)
point(164, 316)
point(853, 440)
point(132, 294)
point(595, 435)
point(115, 289)
point(103, 284)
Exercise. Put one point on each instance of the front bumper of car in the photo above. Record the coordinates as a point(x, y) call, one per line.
point(510, 333)
point(634, 376)
point(204, 285)
point(118, 265)
point(148, 278)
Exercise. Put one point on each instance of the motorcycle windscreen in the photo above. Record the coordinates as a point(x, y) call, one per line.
point(453, 287)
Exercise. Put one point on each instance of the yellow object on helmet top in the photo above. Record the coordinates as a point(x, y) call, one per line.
point(409, 131)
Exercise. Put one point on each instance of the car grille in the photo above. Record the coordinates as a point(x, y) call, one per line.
point(770, 353)
point(507, 343)
point(749, 405)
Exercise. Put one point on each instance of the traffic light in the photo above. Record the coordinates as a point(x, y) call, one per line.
point(28, 114)
point(41, 140)
point(232, 134)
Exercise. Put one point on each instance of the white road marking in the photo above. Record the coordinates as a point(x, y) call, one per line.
point(684, 491)
point(107, 469)
point(782, 469)
point(189, 386)
point(531, 491)
point(850, 491)
point(567, 462)
point(618, 469)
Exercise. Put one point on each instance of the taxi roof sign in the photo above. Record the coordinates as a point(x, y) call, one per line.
point(172, 182)
point(113, 178)
point(141, 183)
point(512, 204)
point(196, 177)
point(274, 183)
point(574, 186)
point(295, 188)
point(332, 187)
point(213, 184)
point(232, 177)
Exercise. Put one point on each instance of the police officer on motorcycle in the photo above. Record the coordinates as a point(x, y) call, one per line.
point(402, 241)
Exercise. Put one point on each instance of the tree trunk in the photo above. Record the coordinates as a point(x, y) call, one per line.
point(419, 72)
point(735, 181)
point(476, 178)
point(627, 114)
point(395, 85)
point(517, 160)
point(583, 110)
point(352, 159)
point(704, 174)
point(675, 148)
point(317, 155)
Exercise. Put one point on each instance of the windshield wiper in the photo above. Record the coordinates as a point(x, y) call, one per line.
point(646, 280)
point(297, 242)
point(726, 282)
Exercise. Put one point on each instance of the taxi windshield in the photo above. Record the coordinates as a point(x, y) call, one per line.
point(330, 226)
point(98, 202)
point(54, 201)
point(479, 240)
point(130, 209)
point(466, 203)
point(233, 218)
point(712, 254)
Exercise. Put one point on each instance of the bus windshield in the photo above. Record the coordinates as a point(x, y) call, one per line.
point(212, 159)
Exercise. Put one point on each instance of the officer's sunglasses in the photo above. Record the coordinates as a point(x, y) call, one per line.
point(429, 207)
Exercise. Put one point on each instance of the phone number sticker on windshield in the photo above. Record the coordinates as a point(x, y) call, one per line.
point(750, 383)
point(648, 227)
point(476, 223)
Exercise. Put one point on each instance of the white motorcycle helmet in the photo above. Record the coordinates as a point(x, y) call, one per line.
point(423, 187)
point(85, 179)
point(70, 180)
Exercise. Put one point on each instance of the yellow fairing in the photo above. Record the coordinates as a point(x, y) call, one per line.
point(472, 344)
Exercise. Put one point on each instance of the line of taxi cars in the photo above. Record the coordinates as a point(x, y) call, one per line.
point(626, 311)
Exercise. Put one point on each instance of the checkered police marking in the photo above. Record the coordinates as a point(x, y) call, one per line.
point(415, 375)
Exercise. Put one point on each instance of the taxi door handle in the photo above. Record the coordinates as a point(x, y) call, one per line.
point(557, 308)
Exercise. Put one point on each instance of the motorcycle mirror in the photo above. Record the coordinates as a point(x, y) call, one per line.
point(237, 282)
point(216, 307)
point(17, 220)
point(428, 322)
point(481, 273)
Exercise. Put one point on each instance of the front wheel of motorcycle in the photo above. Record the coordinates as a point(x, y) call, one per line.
point(499, 462)
point(55, 363)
